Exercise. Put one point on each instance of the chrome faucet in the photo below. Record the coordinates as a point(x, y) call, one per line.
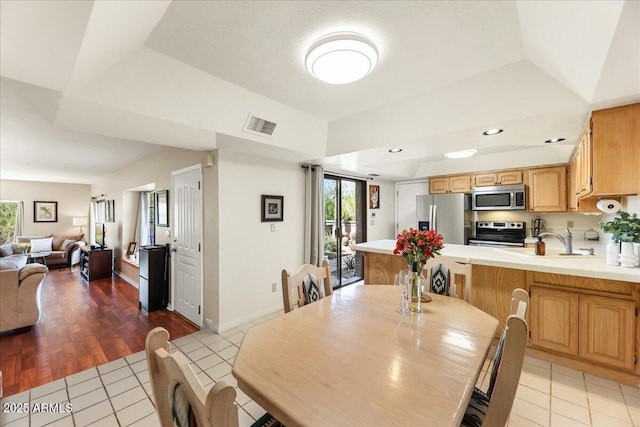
point(567, 240)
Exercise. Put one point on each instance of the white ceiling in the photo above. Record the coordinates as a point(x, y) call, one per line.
point(95, 86)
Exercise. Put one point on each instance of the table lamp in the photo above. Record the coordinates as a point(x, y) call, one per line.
point(80, 221)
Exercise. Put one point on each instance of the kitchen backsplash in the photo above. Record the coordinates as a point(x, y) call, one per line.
point(557, 223)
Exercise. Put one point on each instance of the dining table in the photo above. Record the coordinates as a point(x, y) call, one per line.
point(350, 359)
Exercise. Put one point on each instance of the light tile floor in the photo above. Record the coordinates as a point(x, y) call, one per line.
point(119, 393)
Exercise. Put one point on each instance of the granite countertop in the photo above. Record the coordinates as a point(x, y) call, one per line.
point(584, 266)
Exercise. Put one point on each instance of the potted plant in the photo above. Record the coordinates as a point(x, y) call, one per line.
point(625, 230)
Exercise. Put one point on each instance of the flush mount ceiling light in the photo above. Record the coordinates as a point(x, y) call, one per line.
point(460, 154)
point(492, 132)
point(395, 150)
point(552, 140)
point(341, 58)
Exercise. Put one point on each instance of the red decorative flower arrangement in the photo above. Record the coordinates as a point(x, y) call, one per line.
point(418, 246)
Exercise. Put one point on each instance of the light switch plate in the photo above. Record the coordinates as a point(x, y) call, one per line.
point(273, 227)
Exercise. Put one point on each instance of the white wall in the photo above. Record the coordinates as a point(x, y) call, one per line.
point(156, 170)
point(251, 257)
point(73, 201)
point(381, 226)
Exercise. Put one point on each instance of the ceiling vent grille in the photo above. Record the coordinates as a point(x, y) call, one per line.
point(260, 126)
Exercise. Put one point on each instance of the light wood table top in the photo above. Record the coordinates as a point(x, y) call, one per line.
point(350, 359)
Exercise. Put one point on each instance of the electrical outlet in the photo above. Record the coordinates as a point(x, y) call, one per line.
point(569, 224)
point(273, 287)
point(273, 228)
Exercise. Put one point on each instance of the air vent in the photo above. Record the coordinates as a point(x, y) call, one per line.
point(260, 126)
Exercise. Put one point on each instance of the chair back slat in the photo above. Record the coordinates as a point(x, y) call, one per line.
point(455, 269)
point(166, 369)
point(292, 284)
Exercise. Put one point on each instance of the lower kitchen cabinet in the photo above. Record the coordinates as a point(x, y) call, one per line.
point(554, 320)
point(607, 331)
point(591, 327)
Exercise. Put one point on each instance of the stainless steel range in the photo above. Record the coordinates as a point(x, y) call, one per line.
point(499, 234)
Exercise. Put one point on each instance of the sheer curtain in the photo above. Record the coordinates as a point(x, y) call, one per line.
point(144, 219)
point(91, 235)
point(19, 227)
point(314, 215)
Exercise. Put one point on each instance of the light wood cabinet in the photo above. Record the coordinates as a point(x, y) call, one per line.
point(438, 185)
point(591, 320)
point(607, 331)
point(548, 189)
point(614, 151)
point(450, 184)
point(484, 179)
point(510, 177)
point(554, 320)
point(491, 289)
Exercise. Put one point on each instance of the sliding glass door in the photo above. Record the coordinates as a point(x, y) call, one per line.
point(345, 225)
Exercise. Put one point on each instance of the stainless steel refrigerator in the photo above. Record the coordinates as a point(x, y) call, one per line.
point(448, 214)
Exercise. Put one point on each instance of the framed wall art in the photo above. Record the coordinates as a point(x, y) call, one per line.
point(45, 211)
point(162, 208)
point(272, 208)
point(374, 197)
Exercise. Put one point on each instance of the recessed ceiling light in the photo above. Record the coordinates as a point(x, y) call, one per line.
point(395, 150)
point(460, 154)
point(492, 132)
point(374, 174)
point(341, 58)
point(552, 140)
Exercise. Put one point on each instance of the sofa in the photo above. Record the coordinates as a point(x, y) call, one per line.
point(19, 292)
point(64, 251)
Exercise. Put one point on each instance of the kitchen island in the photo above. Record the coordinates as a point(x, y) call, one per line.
point(583, 312)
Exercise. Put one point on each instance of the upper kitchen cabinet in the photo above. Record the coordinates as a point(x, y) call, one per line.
point(611, 157)
point(508, 177)
point(548, 189)
point(450, 184)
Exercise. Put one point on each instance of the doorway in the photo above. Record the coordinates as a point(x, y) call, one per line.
point(345, 225)
point(187, 237)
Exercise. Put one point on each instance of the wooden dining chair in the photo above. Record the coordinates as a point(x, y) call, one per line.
point(441, 273)
point(494, 407)
point(303, 286)
point(179, 397)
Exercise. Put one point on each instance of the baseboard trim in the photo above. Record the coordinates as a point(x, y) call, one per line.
point(221, 328)
point(126, 279)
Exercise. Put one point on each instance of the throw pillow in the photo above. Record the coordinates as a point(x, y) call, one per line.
point(66, 244)
point(56, 242)
point(41, 245)
point(312, 291)
point(6, 250)
point(440, 280)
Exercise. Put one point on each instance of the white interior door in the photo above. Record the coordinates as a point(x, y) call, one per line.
point(406, 193)
point(187, 249)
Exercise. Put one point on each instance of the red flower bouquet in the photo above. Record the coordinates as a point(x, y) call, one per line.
point(418, 246)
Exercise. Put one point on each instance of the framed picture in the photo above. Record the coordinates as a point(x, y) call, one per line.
point(110, 212)
point(272, 208)
point(45, 211)
point(132, 248)
point(374, 197)
point(162, 208)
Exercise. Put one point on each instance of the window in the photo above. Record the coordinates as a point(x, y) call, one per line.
point(8, 216)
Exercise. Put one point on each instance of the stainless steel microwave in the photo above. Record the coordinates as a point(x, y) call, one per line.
point(498, 198)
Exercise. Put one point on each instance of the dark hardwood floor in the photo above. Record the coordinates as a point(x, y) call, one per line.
point(81, 325)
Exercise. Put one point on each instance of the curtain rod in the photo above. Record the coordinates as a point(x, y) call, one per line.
point(340, 175)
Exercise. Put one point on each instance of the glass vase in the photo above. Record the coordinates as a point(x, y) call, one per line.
point(414, 288)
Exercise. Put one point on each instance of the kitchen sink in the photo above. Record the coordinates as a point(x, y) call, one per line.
point(550, 253)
